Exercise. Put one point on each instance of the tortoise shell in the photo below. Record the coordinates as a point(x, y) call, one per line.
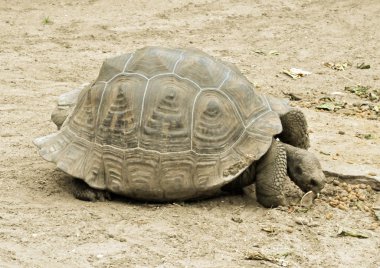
point(163, 124)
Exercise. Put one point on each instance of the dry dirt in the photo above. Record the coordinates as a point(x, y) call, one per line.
point(50, 47)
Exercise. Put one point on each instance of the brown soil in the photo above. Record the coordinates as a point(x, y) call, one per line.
point(50, 47)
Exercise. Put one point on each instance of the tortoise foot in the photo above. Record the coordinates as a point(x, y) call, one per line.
point(83, 191)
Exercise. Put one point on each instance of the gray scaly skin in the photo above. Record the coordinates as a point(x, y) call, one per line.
point(281, 159)
point(286, 157)
point(295, 130)
point(290, 156)
point(269, 174)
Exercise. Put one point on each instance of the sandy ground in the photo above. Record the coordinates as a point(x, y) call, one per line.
point(50, 47)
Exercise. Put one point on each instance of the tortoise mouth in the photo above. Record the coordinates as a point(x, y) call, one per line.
point(314, 186)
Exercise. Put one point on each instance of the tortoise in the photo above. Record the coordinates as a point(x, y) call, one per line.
point(165, 125)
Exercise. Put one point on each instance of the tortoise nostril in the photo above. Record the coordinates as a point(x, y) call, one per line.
point(314, 182)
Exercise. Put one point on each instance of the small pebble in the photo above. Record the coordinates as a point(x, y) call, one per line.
point(301, 221)
point(353, 198)
point(289, 230)
point(342, 207)
point(237, 219)
point(355, 186)
point(367, 209)
point(336, 182)
point(334, 203)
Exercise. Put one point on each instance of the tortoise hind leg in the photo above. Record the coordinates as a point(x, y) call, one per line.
point(270, 176)
point(83, 191)
point(295, 130)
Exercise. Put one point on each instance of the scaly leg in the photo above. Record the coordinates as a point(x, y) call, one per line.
point(295, 130)
point(270, 176)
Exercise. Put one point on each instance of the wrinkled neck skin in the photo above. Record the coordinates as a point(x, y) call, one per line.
point(304, 169)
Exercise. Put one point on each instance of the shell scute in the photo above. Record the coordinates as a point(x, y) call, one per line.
point(151, 61)
point(119, 113)
point(165, 123)
point(112, 67)
point(142, 175)
point(84, 117)
point(204, 71)
point(216, 123)
point(248, 101)
point(176, 178)
point(94, 168)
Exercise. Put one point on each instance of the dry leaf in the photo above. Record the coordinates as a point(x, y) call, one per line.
point(337, 66)
point(363, 66)
point(352, 233)
point(296, 73)
point(258, 256)
point(307, 199)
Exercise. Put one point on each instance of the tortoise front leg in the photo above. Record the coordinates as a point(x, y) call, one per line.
point(83, 191)
point(270, 176)
point(295, 130)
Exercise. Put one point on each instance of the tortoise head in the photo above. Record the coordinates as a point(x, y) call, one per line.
point(65, 104)
point(304, 169)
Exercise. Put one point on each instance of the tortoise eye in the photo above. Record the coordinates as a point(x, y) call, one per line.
point(313, 182)
point(299, 170)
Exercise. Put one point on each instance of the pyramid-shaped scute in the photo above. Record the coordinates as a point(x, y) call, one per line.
point(151, 61)
point(216, 124)
point(202, 70)
point(122, 101)
point(249, 102)
point(113, 66)
point(83, 120)
point(268, 123)
point(166, 119)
